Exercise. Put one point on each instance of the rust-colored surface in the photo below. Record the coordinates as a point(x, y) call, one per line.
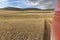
point(56, 22)
point(56, 26)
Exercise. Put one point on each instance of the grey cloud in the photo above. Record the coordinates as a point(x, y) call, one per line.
point(34, 0)
point(48, 4)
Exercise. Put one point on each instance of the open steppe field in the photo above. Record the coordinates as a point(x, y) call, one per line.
point(24, 25)
point(25, 14)
point(21, 29)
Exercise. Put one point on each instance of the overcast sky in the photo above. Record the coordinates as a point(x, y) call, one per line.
point(41, 4)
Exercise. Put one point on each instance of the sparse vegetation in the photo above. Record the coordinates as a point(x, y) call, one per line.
point(22, 25)
point(25, 14)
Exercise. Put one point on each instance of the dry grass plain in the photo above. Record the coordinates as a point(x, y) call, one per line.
point(22, 25)
point(25, 14)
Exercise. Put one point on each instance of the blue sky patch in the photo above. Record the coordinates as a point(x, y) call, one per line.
point(41, 4)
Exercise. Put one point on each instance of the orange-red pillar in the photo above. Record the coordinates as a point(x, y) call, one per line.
point(56, 22)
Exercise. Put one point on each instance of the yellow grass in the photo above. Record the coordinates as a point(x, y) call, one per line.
point(22, 25)
point(18, 29)
point(25, 14)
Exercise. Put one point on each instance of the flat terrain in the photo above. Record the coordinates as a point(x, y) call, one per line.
point(23, 25)
point(25, 14)
point(21, 29)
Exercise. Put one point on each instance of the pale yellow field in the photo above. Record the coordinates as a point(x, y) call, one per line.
point(25, 14)
point(23, 25)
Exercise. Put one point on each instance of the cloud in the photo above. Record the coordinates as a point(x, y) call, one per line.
point(41, 7)
point(41, 4)
point(35, 1)
point(3, 3)
point(32, 4)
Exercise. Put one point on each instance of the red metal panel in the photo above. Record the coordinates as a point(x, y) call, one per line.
point(56, 22)
point(57, 8)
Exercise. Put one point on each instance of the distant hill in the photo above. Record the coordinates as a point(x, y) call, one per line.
point(11, 8)
point(32, 9)
point(20, 9)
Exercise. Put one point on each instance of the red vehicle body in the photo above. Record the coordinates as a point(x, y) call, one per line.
point(56, 22)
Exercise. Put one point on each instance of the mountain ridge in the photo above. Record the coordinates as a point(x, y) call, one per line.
point(14, 8)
